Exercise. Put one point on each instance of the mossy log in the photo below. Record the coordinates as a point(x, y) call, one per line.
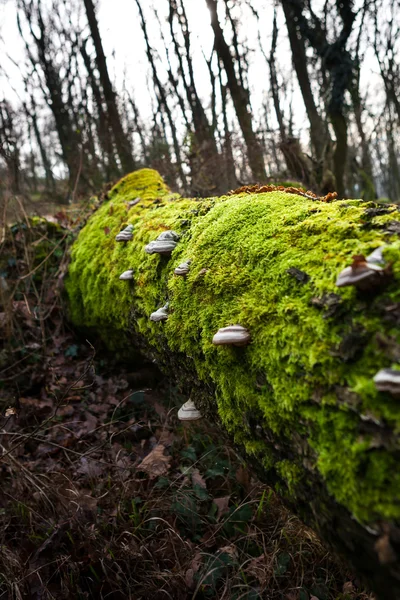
point(299, 400)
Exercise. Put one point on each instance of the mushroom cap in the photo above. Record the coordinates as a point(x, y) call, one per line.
point(376, 257)
point(188, 412)
point(350, 276)
point(183, 269)
point(168, 235)
point(125, 235)
point(388, 380)
point(127, 274)
point(160, 315)
point(235, 335)
point(364, 273)
point(160, 247)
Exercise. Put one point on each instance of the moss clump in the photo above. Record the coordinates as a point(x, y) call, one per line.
point(314, 348)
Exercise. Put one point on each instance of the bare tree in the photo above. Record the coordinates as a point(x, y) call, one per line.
point(240, 96)
point(122, 141)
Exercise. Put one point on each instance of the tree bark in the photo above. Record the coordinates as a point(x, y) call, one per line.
point(121, 139)
point(207, 172)
point(318, 129)
point(299, 400)
point(240, 97)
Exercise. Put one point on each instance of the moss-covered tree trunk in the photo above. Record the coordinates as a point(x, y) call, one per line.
point(299, 400)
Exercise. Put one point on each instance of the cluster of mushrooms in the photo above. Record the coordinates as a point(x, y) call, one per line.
point(368, 273)
point(365, 273)
point(234, 335)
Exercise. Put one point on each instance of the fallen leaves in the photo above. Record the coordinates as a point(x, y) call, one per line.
point(222, 505)
point(156, 463)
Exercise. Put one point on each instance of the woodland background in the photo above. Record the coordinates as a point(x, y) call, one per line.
point(243, 92)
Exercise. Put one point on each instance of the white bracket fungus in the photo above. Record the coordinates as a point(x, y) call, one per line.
point(183, 269)
point(161, 314)
point(125, 235)
point(164, 244)
point(234, 335)
point(188, 412)
point(364, 273)
point(388, 380)
point(127, 274)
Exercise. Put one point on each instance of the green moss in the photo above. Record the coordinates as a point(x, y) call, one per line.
point(241, 248)
point(290, 472)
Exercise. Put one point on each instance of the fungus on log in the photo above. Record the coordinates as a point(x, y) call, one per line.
point(300, 401)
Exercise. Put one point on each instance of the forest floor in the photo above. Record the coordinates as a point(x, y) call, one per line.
point(105, 494)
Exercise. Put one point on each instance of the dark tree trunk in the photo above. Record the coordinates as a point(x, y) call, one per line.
point(104, 130)
point(240, 97)
point(318, 128)
point(207, 172)
point(162, 94)
point(121, 139)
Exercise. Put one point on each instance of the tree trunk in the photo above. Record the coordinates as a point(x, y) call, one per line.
point(121, 139)
point(240, 97)
point(299, 400)
point(207, 173)
point(318, 129)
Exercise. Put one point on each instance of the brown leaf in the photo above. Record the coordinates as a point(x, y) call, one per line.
point(89, 468)
point(190, 573)
point(257, 568)
point(222, 505)
point(359, 261)
point(156, 463)
point(384, 550)
point(197, 479)
point(243, 477)
point(348, 587)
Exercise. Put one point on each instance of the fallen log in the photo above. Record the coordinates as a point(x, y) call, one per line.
point(314, 287)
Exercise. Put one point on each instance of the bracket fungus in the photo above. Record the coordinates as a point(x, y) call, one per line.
point(161, 314)
point(164, 244)
point(365, 273)
point(127, 274)
point(234, 335)
point(183, 269)
point(388, 380)
point(125, 235)
point(188, 412)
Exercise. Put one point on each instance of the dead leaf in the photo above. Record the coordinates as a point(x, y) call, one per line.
point(166, 438)
point(197, 479)
point(89, 468)
point(230, 550)
point(384, 550)
point(348, 587)
point(194, 567)
point(257, 568)
point(156, 463)
point(222, 505)
point(243, 477)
